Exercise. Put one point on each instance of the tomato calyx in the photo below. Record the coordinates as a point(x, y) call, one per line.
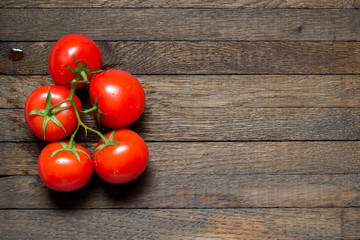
point(49, 113)
point(70, 148)
point(95, 107)
point(108, 142)
point(81, 70)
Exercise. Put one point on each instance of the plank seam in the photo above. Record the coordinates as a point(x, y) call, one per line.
point(181, 8)
point(194, 208)
point(193, 41)
point(214, 74)
point(213, 141)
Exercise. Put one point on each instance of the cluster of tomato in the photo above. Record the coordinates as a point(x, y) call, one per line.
point(53, 113)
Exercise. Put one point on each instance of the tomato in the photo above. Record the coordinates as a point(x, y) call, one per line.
point(67, 118)
point(80, 46)
point(124, 159)
point(120, 97)
point(64, 172)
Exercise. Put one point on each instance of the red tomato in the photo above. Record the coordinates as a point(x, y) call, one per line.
point(80, 46)
point(121, 98)
point(67, 117)
point(124, 162)
point(63, 172)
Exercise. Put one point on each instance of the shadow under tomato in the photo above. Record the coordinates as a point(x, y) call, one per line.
point(140, 126)
point(83, 95)
point(76, 199)
point(126, 195)
point(100, 194)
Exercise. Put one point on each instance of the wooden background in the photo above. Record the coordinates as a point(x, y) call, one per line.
point(252, 119)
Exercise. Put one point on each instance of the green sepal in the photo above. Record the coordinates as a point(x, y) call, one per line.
point(109, 142)
point(96, 99)
point(81, 68)
point(69, 148)
point(56, 110)
point(48, 103)
point(53, 119)
point(99, 112)
point(98, 115)
point(37, 112)
point(49, 114)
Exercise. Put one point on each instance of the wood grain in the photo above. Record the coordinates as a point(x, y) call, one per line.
point(153, 190)
point(263, 224)
point(217, 91)
point(181, 4)
point(245, 158)
point(219, 124)
point(202, 57)
point(252, 119)
point(181, 24)
point(351, 223)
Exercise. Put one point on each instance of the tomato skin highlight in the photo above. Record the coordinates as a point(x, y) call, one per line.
point(67, 117)
point(80, 46)
point(121, 98)
point(123, 163)
point(63, 172)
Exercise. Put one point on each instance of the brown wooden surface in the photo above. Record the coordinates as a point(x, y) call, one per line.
point(252, 119)
point(220, 124)
point(201, 91)
point(242, 158)
point(260, 223)
point(181, 24)
point(190, 191)
point(203, 57)
point(182, 4)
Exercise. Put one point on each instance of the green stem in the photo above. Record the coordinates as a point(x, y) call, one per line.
point(93, 108)
point(59, 103)
point(76, 110)
point(84, 77)
point(72, 138)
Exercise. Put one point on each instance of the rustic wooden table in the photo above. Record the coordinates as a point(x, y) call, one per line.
point(252, 119)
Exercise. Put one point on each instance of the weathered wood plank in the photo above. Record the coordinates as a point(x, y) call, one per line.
point(204, 57)
point(245, 158)
point(189, 191)
point(219, 124)
point(182, 4)
point(217, 91)
point(280, 223)
point(14, 90)
point(351, 223)
point(180, 24)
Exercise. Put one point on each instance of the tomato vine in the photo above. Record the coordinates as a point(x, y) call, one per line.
point(117, 99)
